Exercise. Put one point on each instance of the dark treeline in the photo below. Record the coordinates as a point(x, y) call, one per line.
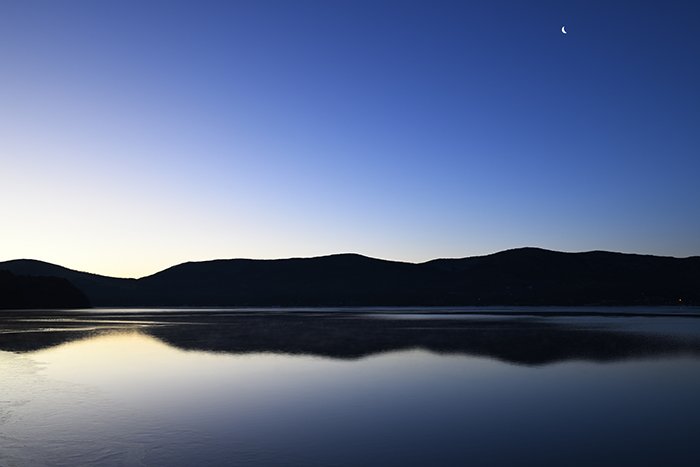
point(527, 276)
point(18, 292)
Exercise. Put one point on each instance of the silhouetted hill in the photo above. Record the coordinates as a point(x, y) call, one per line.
point(526, 276)
point(17, 292)
point(338, 280)
point(100, 290)
point(533, 276)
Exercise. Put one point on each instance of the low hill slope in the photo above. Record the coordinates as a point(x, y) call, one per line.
point(100, 290)
point(19, 292)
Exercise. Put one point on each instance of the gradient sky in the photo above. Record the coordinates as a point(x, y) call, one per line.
point(138, 135)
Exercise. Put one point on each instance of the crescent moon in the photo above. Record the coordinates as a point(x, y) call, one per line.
point(563, 29)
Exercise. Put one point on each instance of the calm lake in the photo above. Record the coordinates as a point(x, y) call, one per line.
point(387, 387)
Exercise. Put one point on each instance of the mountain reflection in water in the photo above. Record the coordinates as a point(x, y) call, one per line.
point(527, 338)
point(255, 389)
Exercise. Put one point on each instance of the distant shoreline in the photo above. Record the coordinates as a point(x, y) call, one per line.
point(524, 277)
point(536, 311)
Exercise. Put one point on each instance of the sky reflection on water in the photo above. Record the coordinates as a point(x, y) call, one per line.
point(130, 398)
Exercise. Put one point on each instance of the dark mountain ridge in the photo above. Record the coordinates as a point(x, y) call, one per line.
point(525, 276)
point(101, 290)
point(22, 292)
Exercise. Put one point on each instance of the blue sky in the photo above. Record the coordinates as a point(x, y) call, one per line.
point(137, 135)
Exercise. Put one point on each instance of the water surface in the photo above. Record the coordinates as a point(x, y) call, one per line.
point(305, 388)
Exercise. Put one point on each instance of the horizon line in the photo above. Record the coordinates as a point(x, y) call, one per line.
point(349, 254)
